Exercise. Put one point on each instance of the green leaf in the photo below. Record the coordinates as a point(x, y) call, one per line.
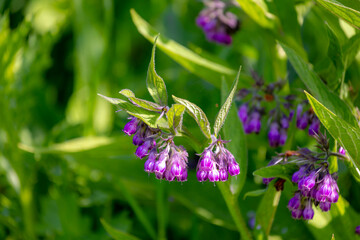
point(335, 54)
point(197, 114)
point(175, 117)
point(350, 49)
point(317, 87)
point(350, 15)
point(223, 112)
point(140, 102)
point(155, 84)
point(149, 117)
point(284, 171)
point(265, 212)
point(258, 12)
point(347, 135)
point(233, 130)
point(255, 193)
point(196, 64)
point(115, 233)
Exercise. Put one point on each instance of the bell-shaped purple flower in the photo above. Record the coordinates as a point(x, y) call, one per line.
point(233, 168)
point(284, 122)
point(150, 162)
point(274, 135)
point(176, 169)
point(206, 161)
point(357, 230)
point(169, 176)
point(143, 149)
point(201, 175)
point(159, 175)
point(294, 202)
point(297, 213)
point(214, 175)
point(324, 189)
point(131, 127)
point(138, 139)
point(242, 113)
point(302, 119)
point(325, 206)
point(308, 212)
point(183, 177)
point(298, 175)
point(308, 182)
point(283, 137)
point(223, 175)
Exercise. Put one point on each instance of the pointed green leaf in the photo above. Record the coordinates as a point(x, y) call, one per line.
point(258, 12)
point(255, 193)
point(175, 117)
point(155, 84)
point(223, 112)
point(284, 171)
point(265, 212)
point(197, 113)
point(149, 117)
point(318, 87)
point(234, 131)
point(140, 102)
point(115, 233)
point(201, 66)
point(347, 135)
point(347, 13)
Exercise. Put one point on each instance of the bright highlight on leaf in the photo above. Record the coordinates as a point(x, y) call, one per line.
point(221, 117)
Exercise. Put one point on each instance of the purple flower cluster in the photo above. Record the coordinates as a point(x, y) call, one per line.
point(357, 230)
point(251, 110)
point(216, 166)
point(307, 118)
point(217, 24)
point(277, 134)
point(315, 186)
point(170, 163)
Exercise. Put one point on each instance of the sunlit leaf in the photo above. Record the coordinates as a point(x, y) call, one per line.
point(317, 87)
point(149, 117)
point(140, 102)
point(224, 110)
point(175, 117)
point(258, 12)
point(197, 114)
point(347, 135)
point(349, 14)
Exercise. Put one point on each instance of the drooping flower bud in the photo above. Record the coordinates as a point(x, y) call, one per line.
point(131, 127)
point(294, 202)
point(308, 212)
point(325, 206)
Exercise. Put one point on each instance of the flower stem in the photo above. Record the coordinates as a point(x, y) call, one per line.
point(231, 203)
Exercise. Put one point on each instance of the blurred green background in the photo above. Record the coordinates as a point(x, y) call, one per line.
point(64, 160)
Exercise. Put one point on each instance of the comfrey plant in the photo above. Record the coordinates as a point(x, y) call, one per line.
point(217, 23)
point(155, 126)
point(316, 186)
point(254, 101)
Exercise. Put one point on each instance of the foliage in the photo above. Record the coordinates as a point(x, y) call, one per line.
point(67, 171)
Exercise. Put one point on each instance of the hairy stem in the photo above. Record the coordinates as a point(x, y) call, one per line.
point(232, 204)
